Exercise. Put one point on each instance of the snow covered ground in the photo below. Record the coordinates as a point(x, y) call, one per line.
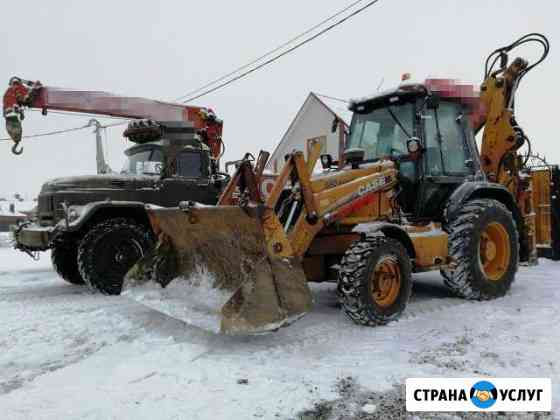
point(66, 353)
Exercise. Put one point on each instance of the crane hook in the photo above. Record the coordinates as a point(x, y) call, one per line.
point(13, 127)
point(15, 149)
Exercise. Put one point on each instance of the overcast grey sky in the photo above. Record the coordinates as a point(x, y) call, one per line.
point(164, 49)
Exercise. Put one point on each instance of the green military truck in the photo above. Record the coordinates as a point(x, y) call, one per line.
point(96, 226)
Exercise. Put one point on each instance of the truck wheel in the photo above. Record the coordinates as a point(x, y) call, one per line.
point(109, 250)
point(64, 258)
point(483, 242)
point(374, 281)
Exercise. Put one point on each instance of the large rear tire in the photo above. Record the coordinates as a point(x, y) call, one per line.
point(484, 244)
point(109, 250)
point(64, 258)
point(374, 281)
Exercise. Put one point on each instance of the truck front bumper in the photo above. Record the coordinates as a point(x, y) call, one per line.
point(33, 237)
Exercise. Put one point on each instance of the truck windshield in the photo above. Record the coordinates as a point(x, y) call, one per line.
point(145, 162)
point(383, 132)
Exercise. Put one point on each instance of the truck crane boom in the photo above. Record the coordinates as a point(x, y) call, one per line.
point(23, 94)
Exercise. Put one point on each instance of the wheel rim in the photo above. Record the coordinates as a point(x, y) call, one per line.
point(127, 253)
point(117, 255)
point(386, 281)
point(494, 251)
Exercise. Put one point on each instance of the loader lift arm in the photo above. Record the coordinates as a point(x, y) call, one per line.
point(22, 94)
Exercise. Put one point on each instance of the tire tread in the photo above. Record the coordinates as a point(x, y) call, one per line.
point(85, 262)
point(461, 230)
point(353, 273)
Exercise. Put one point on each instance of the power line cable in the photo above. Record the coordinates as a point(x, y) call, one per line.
point(67, 130)
point(116, 124)
point(270, 61)
point(50, 133)
point(286, 52)
point(267, 54)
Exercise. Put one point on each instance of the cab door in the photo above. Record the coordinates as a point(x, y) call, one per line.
point(448, 157)
point(190, 180)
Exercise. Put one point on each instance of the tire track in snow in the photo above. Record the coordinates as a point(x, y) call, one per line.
point(312, 329)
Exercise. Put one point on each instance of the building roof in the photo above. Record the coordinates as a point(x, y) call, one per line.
point(337, 107)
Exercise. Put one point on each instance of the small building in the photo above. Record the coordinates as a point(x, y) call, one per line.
point(12, 212)
point(320, 118)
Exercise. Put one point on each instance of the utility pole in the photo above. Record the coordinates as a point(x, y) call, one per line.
point(102, 167)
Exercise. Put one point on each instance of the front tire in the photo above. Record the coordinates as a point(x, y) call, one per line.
point(64, 258)
point(109, 250)
point(484, 244)
point(374, 281)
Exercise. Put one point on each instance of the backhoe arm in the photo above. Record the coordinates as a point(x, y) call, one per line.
point(502, 136)
point(493, 109)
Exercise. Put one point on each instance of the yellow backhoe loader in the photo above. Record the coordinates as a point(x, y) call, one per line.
point(413, 194)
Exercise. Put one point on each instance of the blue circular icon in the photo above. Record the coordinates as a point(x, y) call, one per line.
point(484, 394)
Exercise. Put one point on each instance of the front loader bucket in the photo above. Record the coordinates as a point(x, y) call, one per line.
point(212, 268)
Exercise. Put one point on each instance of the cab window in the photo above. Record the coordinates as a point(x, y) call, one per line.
point(144, 162)
point(189, 165)
point(383, 132)
point(448, 156)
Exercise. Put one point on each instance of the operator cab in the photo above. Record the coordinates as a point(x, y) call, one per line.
point(393, 124)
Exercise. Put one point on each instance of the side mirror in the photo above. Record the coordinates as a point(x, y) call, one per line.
point(326, 161)
point(220, 179)
point(414, 148)
point(432, 101)
point(354, 157)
